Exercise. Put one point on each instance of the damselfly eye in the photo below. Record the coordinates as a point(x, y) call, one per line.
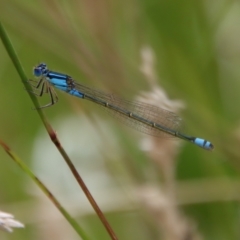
point(37, 71)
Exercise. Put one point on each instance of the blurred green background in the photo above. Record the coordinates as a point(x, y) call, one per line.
point(196, 45)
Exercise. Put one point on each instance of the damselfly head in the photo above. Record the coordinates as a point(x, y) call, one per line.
point(40, 69)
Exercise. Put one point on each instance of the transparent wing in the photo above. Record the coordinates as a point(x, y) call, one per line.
point(149, 112)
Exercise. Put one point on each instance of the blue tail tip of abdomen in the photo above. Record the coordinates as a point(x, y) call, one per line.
point(203, 143)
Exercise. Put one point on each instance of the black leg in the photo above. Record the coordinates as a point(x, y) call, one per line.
point(40, 88)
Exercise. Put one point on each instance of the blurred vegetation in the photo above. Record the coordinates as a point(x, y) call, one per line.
point(197, 50)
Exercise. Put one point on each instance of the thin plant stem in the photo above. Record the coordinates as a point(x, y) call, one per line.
point(24, 167)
